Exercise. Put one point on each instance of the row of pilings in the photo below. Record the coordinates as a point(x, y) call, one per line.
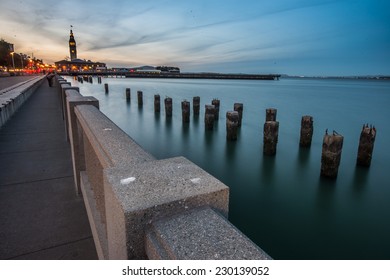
point(332, 142)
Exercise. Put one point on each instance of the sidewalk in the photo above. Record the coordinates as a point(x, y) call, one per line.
point(41, 217)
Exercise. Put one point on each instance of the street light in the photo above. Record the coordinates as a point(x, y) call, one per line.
point(13, 61)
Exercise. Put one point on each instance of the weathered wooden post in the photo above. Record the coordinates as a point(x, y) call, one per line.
point(306, 131)
point(90, 80)
point(270, 139)
point(216, 104)
point(239, 107)
point(128, 94)
point(366, 145)
point(196, 105)
point(331, 154)
point(99, 80)
point(140, 98)
point(209, 116)
point(106, 88)
point(157, 103)
point(185, 110)
point(168, 106)
point(232, 118)
point(270, 115)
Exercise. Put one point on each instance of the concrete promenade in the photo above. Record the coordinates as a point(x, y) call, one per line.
point(41, 217)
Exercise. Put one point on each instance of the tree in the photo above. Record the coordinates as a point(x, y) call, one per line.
point(5, 56)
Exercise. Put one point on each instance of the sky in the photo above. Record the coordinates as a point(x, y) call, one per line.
point(294, 37)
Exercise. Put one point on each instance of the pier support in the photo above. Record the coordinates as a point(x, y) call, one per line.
point(239, 107)
point(99, 80)
point(157, 106)
point(232, 118)
point(140, 98)
point(306, 131)
point(168, 107)
point(196, 105)
point(270, 115)
point(366, 145)
point(128, 94)
point(185, 109)
point(216, 104)
point(331, 154)
point(106, 88)
point(270, 140)
point(209, 116)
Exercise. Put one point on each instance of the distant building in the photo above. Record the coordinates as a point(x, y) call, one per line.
point(75, 64)
point(72, 46)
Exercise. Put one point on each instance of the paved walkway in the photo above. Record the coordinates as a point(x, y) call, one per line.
point(41, 217)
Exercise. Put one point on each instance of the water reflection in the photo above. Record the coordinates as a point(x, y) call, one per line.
point(360, 178)
point(303, 156)
point(268, 169)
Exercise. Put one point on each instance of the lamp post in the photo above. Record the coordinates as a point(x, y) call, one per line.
point(13, 61)
point(21, 59)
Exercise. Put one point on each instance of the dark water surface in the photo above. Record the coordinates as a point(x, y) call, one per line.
point(280, 202)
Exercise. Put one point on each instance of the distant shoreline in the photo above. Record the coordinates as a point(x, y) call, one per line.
point(168, 75)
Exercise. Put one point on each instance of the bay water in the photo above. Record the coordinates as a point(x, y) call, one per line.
point(280, 202)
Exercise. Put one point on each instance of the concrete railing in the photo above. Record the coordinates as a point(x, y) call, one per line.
point(139, 207)
point(13, 97)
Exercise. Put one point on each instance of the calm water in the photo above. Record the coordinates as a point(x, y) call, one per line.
point(280, 202)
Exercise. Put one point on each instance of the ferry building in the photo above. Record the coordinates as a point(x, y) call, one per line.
point(75, 64)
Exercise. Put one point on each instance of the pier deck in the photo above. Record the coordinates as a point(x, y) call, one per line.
point(41, 217)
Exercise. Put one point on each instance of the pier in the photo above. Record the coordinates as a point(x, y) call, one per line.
point(163, 75)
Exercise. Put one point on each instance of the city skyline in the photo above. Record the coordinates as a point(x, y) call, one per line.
point(349, 37)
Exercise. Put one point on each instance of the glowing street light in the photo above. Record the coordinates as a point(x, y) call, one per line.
point(13, 61)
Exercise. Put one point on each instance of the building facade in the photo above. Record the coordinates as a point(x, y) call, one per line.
point(75, 64)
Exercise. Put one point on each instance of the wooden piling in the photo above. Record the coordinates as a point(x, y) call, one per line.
point(168, 107)
point(216, 104)
point(99, 79)
point(239, 107)
point(196, 105)
point(209, 116)
point(157, 102)
point(270, 138)
point(185, 110)
point(366, 145)
point(140, 98)
point(270, 115)
point(128, 94)
point(90, 80)
point(306, 131)
point(106, 88)
point(232, 118)
point(331, 154)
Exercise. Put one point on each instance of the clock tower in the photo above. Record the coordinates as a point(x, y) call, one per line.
point(72, 46)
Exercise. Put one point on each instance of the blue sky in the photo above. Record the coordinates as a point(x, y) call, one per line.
point(305, 37)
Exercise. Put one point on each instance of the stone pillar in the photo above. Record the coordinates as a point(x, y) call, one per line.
point(168, 107)
point(157, 103)
point(239, 107)
point(232, 119)
point(196, 105)
point(270, 115)
point(366, 145)
point(331, 154)
point(140, 98)
point(270, 140)
point(128, 94)
point(185, 110)
point(216, 104)
point(106, 88)
point(209, 117)
point(306, 131)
